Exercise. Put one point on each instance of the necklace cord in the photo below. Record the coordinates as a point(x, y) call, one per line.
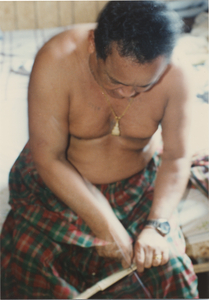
point(116, 129)
point(114, 114)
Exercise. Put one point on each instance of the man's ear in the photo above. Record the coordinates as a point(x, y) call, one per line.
point(91, 46)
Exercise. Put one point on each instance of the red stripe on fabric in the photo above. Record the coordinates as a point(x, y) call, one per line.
point(24, 243)
point(40, 282)
point(61, 292)
point(53, 217)
point(18, 271)
point(47, 254)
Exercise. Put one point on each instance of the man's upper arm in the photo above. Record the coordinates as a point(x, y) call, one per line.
point(176, 120)
point(48, 108)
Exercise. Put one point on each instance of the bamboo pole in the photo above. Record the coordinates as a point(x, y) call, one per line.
point(106, 282)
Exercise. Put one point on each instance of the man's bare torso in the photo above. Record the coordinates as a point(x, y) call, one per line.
point(94, 152)
point(101, 157)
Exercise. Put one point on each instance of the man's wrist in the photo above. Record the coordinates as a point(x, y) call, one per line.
point(162, 226)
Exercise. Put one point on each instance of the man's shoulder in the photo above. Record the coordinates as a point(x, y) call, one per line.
point(65, 46)
point(179, 83)
point(58, 48)
point(61, 54)
point(65, 43)
point(179, 75)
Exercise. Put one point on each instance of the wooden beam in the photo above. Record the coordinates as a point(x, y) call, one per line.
point(7, 15)
point(85, 11)
point(25, 15)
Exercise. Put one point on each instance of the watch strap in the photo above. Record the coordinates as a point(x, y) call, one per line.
point(162, 226)
point(153, 223)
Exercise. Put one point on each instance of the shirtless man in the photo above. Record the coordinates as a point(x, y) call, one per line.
point(95, 105)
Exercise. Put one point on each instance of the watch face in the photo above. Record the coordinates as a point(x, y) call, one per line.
point(164, 227)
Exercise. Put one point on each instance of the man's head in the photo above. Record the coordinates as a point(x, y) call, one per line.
point(142, 30)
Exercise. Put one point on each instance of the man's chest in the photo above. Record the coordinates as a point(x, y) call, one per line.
point(91, 115)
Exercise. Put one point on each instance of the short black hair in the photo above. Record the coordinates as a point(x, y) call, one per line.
point(142, 30)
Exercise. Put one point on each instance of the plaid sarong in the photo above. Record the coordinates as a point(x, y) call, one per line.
point(48, 251)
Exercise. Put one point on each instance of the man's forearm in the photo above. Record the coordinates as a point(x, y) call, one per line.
point(170, 185)
point(69, 186)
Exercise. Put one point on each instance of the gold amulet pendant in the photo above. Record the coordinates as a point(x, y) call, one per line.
point(116, 129)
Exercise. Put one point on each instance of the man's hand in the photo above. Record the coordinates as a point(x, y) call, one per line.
point(120, 245)
point(151, 249)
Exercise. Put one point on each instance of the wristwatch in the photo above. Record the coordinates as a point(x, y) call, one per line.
point(161, 225)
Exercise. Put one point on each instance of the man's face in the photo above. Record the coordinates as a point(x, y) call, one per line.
point(122, 77)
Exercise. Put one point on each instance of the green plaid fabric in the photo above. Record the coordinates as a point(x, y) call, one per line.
point(48, 252)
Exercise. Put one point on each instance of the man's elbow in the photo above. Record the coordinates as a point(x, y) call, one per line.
point(180, 163)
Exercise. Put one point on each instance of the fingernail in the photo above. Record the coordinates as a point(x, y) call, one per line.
point(140, 270)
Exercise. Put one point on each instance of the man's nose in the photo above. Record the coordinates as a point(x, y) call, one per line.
point(127, 92)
